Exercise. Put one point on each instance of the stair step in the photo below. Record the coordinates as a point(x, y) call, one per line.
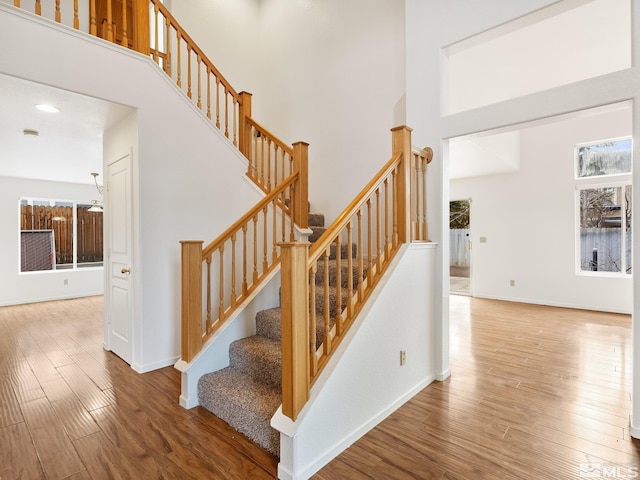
point(244, 403)
point(259, 357)
point(316, 233)
point(333, 304)
point(316, 220)
point(268, 323)
point(344, 251)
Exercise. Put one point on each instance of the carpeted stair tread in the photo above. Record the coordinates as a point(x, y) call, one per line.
point(316, 220)
point(316, 233)
point(333, 304)
point(268, 323)
point(259, 357)
point(244, 403)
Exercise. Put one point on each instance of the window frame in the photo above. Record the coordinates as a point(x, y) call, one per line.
point(66, 267)
point(616, 180)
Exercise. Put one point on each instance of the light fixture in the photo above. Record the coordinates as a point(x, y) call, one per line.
point(95, 207)
point(95, 180)
point(47, 108)
point(30, 132)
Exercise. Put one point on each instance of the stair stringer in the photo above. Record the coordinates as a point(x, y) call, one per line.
point(215, 352)
point(363, 381)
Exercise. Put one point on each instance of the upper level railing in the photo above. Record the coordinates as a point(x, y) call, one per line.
point(318, 307)
point(148, 27)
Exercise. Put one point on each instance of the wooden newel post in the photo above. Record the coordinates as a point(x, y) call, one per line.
point(401, 143)
point(244, 132)
point(295, 327)
point(301, 200)
point(191, 298)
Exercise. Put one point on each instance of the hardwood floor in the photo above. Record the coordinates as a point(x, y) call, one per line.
point(70, 410)
point(535, 393)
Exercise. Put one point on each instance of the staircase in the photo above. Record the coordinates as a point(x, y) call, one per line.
point(247, 393)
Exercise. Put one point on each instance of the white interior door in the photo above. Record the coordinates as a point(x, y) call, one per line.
point(119, 207)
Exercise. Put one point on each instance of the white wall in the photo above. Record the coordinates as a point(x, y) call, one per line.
point(191, 182)
point(16, 287)
point(364, 382)
point(332, 74)
point(571, 41)
point(227, 32)
point(528, 220)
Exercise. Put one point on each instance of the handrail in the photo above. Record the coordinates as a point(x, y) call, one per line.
point(317, 307)
point(251, 241)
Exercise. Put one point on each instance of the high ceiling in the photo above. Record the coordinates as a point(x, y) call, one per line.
point(68, 146)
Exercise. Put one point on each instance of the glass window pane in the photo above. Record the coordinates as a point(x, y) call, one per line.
point(89, 231)
point(601, 229)
point(604, 158)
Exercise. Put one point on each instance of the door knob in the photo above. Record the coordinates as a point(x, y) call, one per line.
point(126, 270)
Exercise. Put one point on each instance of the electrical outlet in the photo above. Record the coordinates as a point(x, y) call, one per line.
point(512, 283)
point(403, 357)
point(66, 282)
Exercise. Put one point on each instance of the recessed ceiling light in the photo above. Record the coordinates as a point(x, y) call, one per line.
point(47, 108)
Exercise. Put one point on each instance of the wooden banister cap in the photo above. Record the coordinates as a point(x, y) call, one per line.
point(401, 127)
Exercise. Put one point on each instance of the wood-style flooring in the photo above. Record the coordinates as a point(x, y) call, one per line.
point(70, 410)
point(535, 393)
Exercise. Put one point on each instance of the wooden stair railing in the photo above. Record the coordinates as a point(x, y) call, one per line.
point(148, 27)
point(232, 266)
point(374, 226)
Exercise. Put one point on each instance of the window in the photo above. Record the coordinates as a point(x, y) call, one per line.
point(604, 194)
point(57, 235)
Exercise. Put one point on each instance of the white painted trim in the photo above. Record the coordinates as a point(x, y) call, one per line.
point(633, 429)
point(154, 366)
point(554, 304)
point(51, 299)
point(441, 377)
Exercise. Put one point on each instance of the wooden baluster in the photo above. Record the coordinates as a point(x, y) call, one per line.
point(76, 19)
point(235, 121)
point(350, 270)
point(58, 16)
point(233, 269)
point(167, 60)
point(178, 50)
point(378, 232)
point(369, 237)
point(226, 112)
point(191, 298)
point(244, 260)
point(394, 181)
point(189, 70)
point(38, 8)
point(221, 287)
point(293, 209)
point(284, 211)
point(16, 3)
point(274, 228)
point(327, 303)
point(360, 257)
point(199, 102)
point(261, 158)
point(208, 93)
point(269, 181)
point(276, 179)
point(217, 103)
point(255, 249)
point(265, 236)
point(209, 321)
point(312, 319)
point(387, 243)
point(339, 318)
point(295, 328)
point(125, 40)
point(93, 28)
point(156, 9)
point(109, 22)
